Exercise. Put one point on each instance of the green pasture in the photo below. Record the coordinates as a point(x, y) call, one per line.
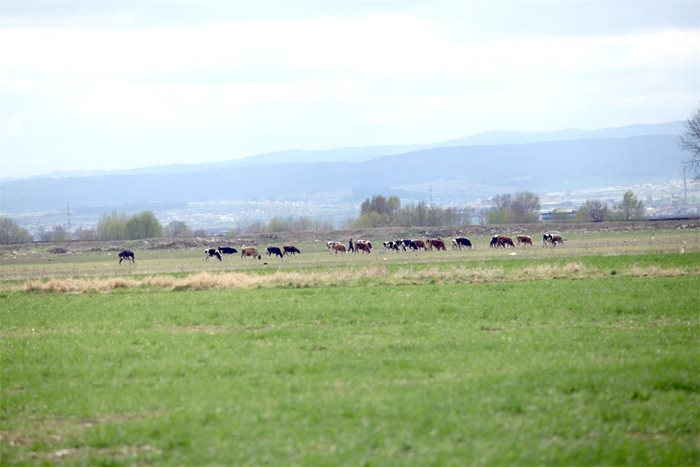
point(597, 367)
point(37, 262)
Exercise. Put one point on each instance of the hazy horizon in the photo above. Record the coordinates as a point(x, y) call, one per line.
point(113, 85)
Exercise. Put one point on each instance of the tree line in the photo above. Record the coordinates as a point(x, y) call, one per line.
point(379, 211)
point(507, 208)
point(113, 226)
point(376, 211)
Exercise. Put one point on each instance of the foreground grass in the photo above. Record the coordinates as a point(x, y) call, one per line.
point(591, 371)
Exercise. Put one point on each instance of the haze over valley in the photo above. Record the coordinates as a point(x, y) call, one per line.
point(564, 168)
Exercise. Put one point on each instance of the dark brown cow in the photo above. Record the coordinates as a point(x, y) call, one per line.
point(524, 240)
point(363, 245)
point(290, 250)
point(557, 239)
point(498, 241)
point(417, 245)
point(339, 248)
point(505, 242)
point(250, 251)
point(436, 243)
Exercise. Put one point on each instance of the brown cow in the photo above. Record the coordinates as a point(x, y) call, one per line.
point(250, 251)
point(557, 239)
point(504, 241)
point(339, 247)
point(363, 245)
point(436, 243)
point(417, 245)
point(524, 240)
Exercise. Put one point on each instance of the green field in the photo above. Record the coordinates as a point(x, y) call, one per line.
point(587, 354)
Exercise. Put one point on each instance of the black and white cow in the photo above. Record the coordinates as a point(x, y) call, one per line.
point(227, 250)
point(126, 255)
point(462, 242)
point(209, 252)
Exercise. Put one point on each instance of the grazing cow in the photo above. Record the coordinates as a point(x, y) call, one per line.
point(250, 251)
point(552, 238)
point(227, 250)
point(436, 243)
point(416, 245)
point(339, 248)
point(395, 245)
point(273, 250)
point(330, 245)
point(505, 242)
point(126, 255)
point(209, 252)
point(498, 241)
point(290, 250)
point(363, 245)
point(546, 238)
point(461, 242)
point(524, 239)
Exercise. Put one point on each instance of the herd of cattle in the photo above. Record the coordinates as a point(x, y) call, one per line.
point(365, 246)
point(497, 241)
point(250, 252)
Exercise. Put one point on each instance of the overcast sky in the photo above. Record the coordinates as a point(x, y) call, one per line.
point(116, 84)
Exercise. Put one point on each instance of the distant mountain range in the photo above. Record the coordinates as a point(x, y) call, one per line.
point(478, 166)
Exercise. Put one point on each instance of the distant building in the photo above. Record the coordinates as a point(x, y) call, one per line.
point(559, 214)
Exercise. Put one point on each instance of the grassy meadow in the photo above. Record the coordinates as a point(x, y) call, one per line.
point(586, 354)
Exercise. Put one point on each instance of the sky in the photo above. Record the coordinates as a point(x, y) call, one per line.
point(117, 84)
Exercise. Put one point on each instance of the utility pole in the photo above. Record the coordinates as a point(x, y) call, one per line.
point(68, 224)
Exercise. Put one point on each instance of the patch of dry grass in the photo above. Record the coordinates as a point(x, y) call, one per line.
point(371, 275)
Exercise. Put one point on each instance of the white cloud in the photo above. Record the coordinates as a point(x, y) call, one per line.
point(392, 78)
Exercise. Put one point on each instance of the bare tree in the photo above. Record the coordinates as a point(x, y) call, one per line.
point(690, 141)
point(592, 210)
